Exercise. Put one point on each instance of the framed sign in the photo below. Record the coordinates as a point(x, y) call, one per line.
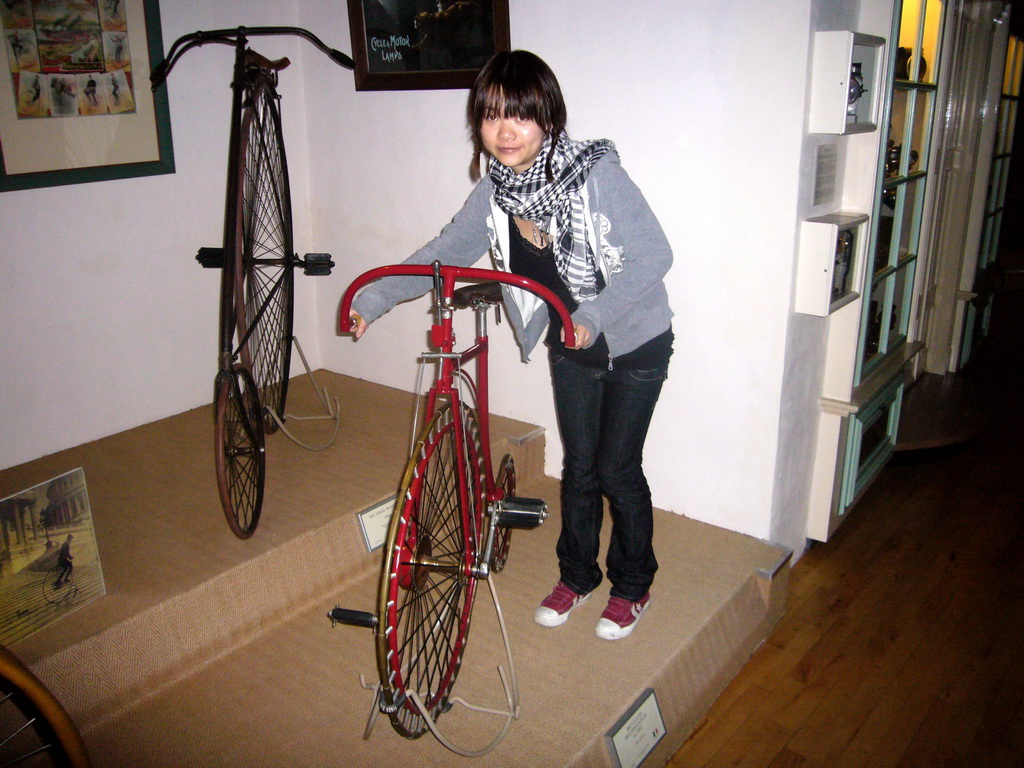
point(77, 105)
point(374, 522)
point(49, 561)
point(424, 44)
point(637, 732)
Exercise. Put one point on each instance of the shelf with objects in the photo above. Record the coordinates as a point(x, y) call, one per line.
point(846, 72)
point(874, 346)
point(830, 254)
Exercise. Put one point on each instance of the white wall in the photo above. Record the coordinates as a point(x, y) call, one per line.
point(107, 321)
point(807, 335)
point(705, 102)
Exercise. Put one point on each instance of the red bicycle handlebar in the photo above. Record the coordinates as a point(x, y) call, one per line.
point(449, 275)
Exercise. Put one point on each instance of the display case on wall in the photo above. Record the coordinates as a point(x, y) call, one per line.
point(846, 71)
point(829, 256)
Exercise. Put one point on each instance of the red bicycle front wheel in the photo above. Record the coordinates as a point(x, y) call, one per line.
point(427, 586)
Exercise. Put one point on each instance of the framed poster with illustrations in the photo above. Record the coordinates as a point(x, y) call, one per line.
point(77, 106)
point(424, 44)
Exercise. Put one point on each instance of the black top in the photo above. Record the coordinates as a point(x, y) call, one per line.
point(528, 260)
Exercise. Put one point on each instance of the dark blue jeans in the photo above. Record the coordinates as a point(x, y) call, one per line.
point(603, 417)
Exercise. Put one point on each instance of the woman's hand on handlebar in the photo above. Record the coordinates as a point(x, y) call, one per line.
point(359, 325)
point(582, 337)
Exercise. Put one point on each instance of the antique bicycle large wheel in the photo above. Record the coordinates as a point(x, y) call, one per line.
point(55, 593)
point(264, 288)
point(427, 585)
point(34, 728)
point(238, 447)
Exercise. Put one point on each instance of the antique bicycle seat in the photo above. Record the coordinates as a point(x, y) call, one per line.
point(476, 294)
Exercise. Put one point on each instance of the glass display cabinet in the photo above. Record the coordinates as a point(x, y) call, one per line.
point(846, 72)
point(830, 247)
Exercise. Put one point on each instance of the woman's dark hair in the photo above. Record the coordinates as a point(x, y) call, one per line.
point(517, 84)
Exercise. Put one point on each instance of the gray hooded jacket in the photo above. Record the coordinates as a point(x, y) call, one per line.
point(633, 255)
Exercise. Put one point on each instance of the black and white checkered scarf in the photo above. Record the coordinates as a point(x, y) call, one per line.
point(557, 205)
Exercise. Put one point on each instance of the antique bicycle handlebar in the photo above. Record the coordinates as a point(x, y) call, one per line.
point(232, 37)
point(449, 275)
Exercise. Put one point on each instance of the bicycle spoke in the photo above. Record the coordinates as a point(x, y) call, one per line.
point(266, 291)
point(267, 231)
point(430, 617)
point(239, 450)
point(262, 302)
point(424, 670)
point(244, 458)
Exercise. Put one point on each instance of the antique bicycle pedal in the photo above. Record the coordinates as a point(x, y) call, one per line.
point(317, 264)
point(211, 258)
point(521, 512)
point(353, 618)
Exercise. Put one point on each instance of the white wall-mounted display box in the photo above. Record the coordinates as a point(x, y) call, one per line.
point(846, 70)
point(830, 248)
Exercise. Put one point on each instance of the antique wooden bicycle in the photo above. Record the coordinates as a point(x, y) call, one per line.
point(453, 517)
point(257, 262)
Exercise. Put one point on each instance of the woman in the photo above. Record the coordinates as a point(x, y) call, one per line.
point(565, 214)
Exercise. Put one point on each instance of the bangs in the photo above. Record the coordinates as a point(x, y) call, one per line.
point(519, 103)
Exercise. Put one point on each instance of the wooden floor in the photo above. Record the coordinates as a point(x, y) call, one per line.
point(903, 641)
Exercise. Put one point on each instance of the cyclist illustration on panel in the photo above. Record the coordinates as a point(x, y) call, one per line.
point(64, 558)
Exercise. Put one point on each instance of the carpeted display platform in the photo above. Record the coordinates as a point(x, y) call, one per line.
point(208, 650)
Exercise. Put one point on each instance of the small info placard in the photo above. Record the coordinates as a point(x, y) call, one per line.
point(637, 732)
point(826, 173)
point(374, 522)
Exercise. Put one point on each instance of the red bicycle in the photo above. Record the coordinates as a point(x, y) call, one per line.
point(453, 516)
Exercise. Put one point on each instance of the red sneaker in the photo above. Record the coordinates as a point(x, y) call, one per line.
point(620, 617)
point(556, 607)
